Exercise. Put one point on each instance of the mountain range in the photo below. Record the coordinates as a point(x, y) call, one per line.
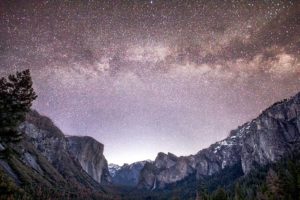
point(60, 166)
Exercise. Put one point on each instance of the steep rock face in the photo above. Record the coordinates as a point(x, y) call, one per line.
point(45, 136)
point(222, 154)
point(61, 152)
point(266, 139)
point(89, 153)
point(273, 134)
point(167, 168)
point(127, 175)
point(41, 159)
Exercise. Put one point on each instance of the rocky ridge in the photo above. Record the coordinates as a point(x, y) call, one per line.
point(266, 139)
point(89, 153)
point(53, 144)
point(113, 168)
point(46, 157)
point(128, 174)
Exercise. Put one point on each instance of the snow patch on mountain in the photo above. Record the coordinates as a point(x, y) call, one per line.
point(113, 168)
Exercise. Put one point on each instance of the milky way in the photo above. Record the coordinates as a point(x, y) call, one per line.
point(148, 76)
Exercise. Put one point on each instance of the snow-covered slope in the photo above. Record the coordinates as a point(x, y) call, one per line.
point(113, 168)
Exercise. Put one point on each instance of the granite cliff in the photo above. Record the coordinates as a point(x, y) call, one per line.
point(89, 154)
point(272, 135)
point(46, 158)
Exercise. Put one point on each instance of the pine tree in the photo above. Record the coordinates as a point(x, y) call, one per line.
point(16, 97)
point(274, 185)
point(220, 194)
point(202, 193)
point(238, 193)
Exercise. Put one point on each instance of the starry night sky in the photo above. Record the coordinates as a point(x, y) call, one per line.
point(148, 76)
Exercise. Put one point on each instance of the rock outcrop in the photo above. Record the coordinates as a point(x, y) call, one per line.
point(58, 149)
point(113, 168)
point(128, 174)
point(166, 169)
point(89, 153)
point(46, 157)
point(273, 134)
point(266, 139)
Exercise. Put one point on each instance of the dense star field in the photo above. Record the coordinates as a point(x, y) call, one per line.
point(148, 76)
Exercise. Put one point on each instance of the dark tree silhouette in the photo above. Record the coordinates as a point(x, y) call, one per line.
point(219, 194)
point(16, 97)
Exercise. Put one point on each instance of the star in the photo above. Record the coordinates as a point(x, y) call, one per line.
point(127, 71)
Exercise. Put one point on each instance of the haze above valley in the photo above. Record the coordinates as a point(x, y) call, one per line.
point(144, 77)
